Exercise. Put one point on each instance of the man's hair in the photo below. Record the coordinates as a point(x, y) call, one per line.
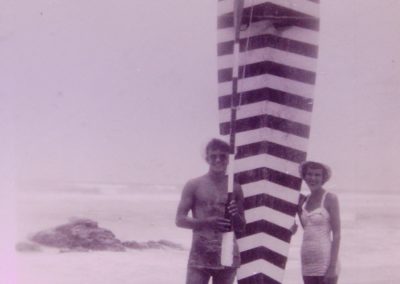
point(217, 144)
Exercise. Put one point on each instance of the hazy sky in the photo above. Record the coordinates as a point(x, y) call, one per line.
point(125, 91)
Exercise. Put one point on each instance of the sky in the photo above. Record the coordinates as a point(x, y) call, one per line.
point(94, 91)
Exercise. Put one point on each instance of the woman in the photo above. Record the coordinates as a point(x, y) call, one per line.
point(319, 216)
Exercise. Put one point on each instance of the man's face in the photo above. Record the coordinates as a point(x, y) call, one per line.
point(218, 160)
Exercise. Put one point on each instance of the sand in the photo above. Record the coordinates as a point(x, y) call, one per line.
point(369, 254)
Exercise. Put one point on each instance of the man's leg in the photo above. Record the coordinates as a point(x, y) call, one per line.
point(224, 276)
point(197, 276)
point(313, 279)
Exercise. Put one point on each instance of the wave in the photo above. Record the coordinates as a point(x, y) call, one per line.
point(94, 188)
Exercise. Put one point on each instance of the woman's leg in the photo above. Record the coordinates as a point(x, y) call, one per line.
point(197, 276)
point(332, 280)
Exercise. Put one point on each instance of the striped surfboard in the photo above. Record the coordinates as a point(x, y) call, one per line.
point(277, 73)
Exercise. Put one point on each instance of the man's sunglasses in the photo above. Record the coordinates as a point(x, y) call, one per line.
point(221, 157)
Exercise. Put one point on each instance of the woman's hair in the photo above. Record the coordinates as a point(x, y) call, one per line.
point(217, 144)
point(326, 172)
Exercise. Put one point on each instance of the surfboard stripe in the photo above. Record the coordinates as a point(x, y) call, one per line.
point(271, 95)
point(269, 81)
point(271, 189)
point(303, 17)
point(225, 6)
point(248, 163)
point(268, 67)
point(262, 226)
point(269, 121)
point(270, 41)
point(271, 175)
point(269, 108)
point(277, 43)
point(272, 149)
point(251, 269)
point(269, 214)
point(282, 44)
point(271, 135)
point(264, 240)
point(264, 28)
point(258, 278)
point(263, 253)
point(276, 55)
point(271, 202)
point(287, 16)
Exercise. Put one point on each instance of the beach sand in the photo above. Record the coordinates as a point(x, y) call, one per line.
point(369, 254)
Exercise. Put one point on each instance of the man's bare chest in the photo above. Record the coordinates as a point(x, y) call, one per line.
point(210, 194)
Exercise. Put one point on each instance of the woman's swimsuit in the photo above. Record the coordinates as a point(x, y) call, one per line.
point(316, 245)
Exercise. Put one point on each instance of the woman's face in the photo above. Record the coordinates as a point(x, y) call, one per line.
point(314, 178)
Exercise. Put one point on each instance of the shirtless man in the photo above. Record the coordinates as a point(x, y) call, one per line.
point(206, 197)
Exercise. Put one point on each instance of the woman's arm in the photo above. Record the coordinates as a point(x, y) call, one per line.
point(332, 205)
point(302, 199)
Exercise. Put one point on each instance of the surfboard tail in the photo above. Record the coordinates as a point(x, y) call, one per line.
point(276, 59)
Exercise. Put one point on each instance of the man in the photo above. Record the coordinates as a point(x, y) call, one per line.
point(206, 197)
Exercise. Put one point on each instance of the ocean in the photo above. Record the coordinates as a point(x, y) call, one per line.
point(369, 245)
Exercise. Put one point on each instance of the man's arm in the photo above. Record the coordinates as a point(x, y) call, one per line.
point(186, 204)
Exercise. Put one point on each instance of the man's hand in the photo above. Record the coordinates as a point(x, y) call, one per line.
point(218, 223)
point(232, 208)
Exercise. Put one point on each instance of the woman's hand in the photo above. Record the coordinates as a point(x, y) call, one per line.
point(294, 228)
point(330, 273)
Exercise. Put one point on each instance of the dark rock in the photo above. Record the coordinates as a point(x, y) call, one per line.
point(171, 244)
point(27, 247)
point(133, 245)
point(79, 234)
point(86, 235)
point(152, 245)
